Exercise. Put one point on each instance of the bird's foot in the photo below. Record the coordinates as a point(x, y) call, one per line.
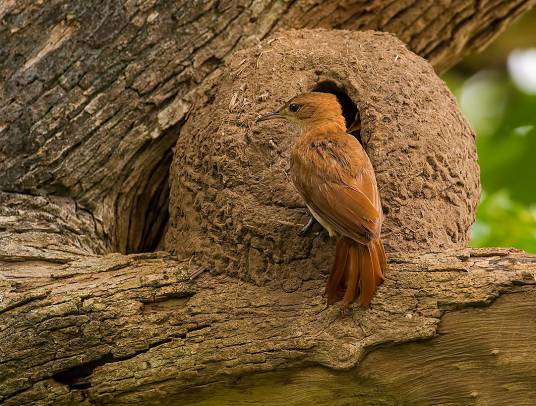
point(312, 225)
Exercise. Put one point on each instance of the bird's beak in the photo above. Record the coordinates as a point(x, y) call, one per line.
point(269, 116)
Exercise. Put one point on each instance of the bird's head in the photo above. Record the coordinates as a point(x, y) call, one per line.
point(310, 109)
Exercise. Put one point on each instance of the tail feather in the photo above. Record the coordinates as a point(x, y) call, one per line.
point(352, 275)
point(368, 277)
point(379, 262)
point(338, 270)
point(358, 268)
point(381, 254)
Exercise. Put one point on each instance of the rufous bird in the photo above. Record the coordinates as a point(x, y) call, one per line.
point(332, 172)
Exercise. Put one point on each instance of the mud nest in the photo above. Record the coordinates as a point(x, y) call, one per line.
point(233, 207)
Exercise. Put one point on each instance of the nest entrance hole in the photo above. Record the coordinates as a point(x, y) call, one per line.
point(350, 111)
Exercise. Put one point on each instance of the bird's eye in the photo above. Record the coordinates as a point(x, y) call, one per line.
point(293, 107)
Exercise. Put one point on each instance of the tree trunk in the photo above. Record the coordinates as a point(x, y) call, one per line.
point(93, 96)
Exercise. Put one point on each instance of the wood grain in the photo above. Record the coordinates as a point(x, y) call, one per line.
point(137, 330)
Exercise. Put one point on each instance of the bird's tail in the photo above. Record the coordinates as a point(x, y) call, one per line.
point(358, 270)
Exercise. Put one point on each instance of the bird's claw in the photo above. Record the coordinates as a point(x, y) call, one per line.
point(311, 224)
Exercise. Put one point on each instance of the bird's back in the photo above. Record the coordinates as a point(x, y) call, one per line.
point(331, 170)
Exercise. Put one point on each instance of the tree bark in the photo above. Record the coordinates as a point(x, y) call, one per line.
point(93, 96)
point(92, 99)
point(136, 329)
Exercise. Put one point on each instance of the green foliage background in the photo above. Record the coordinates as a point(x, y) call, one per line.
point(504, 119)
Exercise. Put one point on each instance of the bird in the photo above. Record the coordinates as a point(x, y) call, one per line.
point(335, 177)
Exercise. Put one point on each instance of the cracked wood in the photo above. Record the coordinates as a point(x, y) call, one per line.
point(136, 329)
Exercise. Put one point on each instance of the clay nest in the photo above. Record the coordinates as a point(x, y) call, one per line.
point(233, 207)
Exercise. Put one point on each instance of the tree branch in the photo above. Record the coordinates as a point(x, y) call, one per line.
point(133, 329)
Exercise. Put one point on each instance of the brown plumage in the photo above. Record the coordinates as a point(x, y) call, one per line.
point(334, 175)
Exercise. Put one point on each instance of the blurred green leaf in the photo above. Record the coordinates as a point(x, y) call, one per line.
point(504, 119)
point(503, 222)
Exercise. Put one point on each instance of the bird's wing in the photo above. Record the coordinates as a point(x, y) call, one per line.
point(336, 179)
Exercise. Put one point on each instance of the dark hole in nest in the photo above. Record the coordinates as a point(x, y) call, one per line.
point(349, 108)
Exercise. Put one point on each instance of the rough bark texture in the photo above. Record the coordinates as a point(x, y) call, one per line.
point(93, 96)
point(136, 330)
point(232, 204)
